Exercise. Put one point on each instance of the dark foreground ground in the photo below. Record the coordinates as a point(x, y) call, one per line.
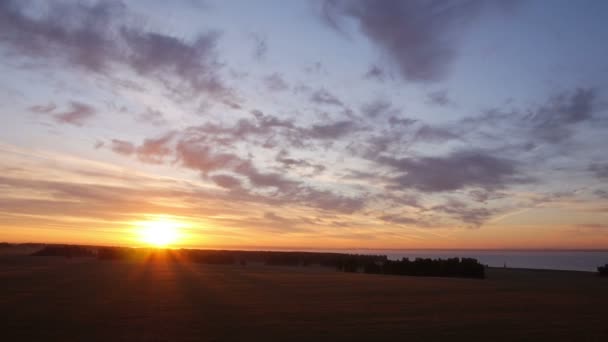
point(57, 299)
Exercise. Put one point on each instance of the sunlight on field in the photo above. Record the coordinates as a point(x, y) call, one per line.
point(161, 232)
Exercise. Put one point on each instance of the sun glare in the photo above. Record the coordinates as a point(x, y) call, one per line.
point(160, 232)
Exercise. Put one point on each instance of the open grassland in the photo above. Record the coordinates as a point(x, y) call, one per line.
point(58, 299)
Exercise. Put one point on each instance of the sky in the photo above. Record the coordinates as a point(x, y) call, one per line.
point(321, 124)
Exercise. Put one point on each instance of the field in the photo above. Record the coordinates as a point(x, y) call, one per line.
point(59, 299)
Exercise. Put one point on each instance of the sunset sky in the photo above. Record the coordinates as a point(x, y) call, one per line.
point(306, 124)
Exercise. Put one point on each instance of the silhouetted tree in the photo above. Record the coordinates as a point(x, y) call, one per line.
point(65, 251)
point(372, 267)
point(453, 267)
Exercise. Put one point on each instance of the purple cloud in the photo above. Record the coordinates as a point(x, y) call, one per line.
point(439, 98)
point(455, 171)
point(553, 122)
point(122, 147)
point(275, 82)
point(600, 170)
point(226, 181)
point(333, 130)
point(376, 73)
point(474, 217)
point(43, 109)
point(77, 115)
point(155, 150)
point(324, 97)
point(419, 36)
point(98, 37)
point(293, 163)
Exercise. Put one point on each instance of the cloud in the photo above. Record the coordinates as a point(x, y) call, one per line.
point(155, 150)
point(457, 170)
point(166, 57)
point(260, 179)
point(43, 109)
point(269, 121)
point(329, 201)
point(260, 46)
point(94, 200)
point(378, 108)
point(152, 150)
point(600, 170)
point(122, 147)
point(601, 193)
point(275, 82)
point(483, 196)
point(278, 223)
point(153, 117)
point(375, 73)
point(264, 129)
point(397, 121)
point(400, 220)
point(324, 97)
point(257, 186)
point(543, 131)
point(196, 156)
point(77, 115)
point(334, 130)
point(568, 108)
point(433, 134)
point(293, 163)
point(226, 181)
point(591, 228)
point(262, 126)
point(289, 191)
point(98, 37)
point(420, 36)
point(554, 120)
point(316, 68)
point(439, 98)
point(84, 40)
point(475, 217)
point(375, 144)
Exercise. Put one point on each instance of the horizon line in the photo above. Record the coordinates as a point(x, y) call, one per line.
point(303, 249)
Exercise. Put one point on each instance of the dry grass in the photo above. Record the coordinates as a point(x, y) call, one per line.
point(85, 299)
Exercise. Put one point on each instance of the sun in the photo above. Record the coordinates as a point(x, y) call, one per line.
point(159, 233)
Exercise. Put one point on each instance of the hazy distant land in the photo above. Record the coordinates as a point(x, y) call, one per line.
point(56, 298)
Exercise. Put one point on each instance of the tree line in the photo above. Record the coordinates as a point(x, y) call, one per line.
point(426, 267)
point(227, 257)
point(66, 251)
point(376, 264)
point(372, 264)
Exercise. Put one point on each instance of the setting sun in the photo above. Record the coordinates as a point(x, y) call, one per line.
point(160, 232)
